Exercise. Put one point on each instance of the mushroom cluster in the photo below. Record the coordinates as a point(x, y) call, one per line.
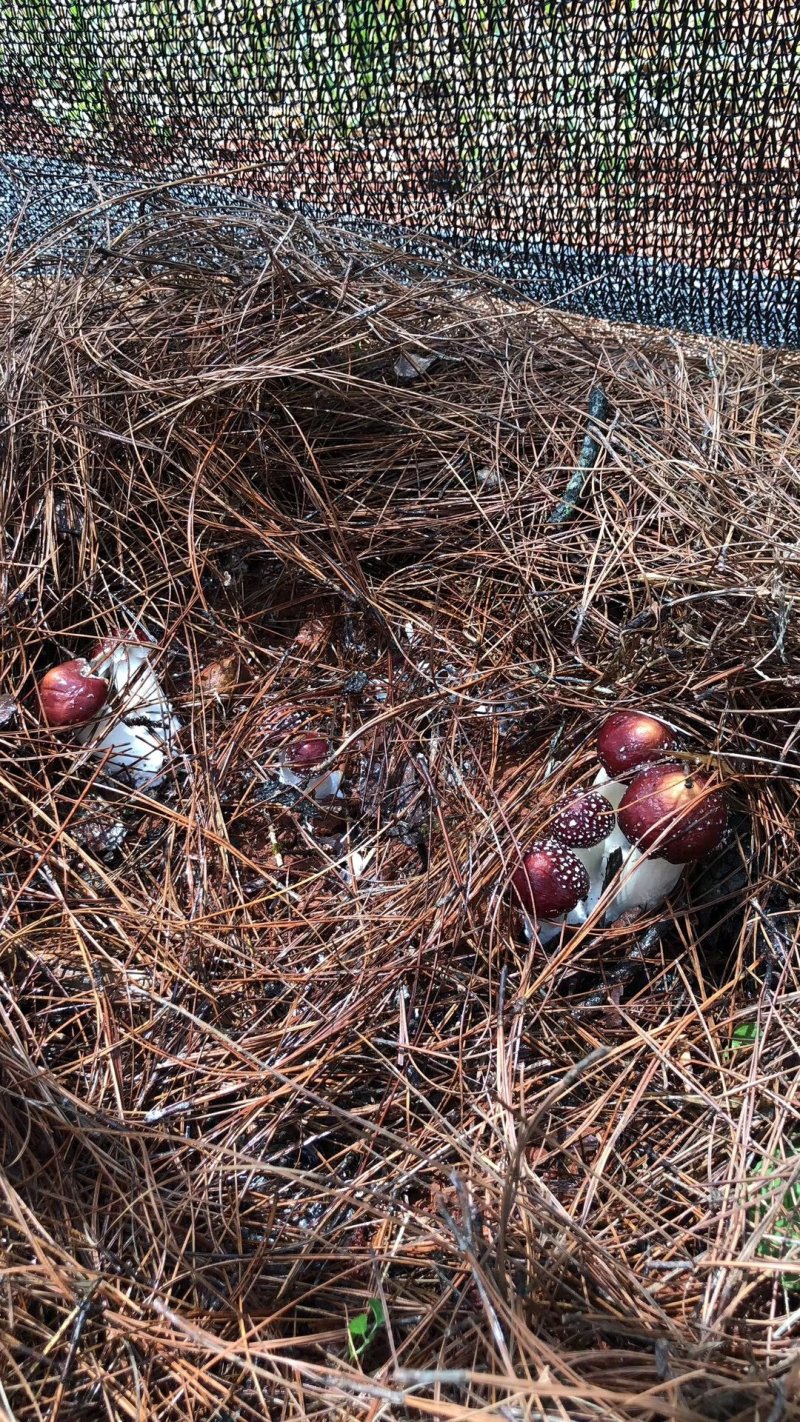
point(115, 704)
point(658, 812)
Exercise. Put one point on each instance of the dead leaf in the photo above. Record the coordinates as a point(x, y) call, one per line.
point(413, 365)
point(219, 678)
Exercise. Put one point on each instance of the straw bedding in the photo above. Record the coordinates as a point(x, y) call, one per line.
point(269, 1067)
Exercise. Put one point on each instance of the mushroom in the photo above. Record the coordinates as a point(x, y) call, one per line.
point(549, 883)
point(586, 823)
point(136, 736)
point(72, 693)
point(628, 740)
point(675, 812)
point(299, 762)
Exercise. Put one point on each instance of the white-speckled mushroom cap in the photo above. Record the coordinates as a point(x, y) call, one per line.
point(551, 879)
point(582, 819)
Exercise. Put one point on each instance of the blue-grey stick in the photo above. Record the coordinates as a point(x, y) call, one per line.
point(599, 410)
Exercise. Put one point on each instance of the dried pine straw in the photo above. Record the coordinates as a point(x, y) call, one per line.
point(246, 1092)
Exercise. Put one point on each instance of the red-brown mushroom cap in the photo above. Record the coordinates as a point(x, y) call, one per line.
point(583, 819)
point(307, 752)
point(70, 693)
point(628, 739)
point(550, 880)
point(673, 810)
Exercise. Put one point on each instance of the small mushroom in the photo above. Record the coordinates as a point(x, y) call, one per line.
point(675, 813)
point(587, 823)
point(299, 762)
point(675, 809)
point(72, 693)
point(549, 883)
point(582, 821)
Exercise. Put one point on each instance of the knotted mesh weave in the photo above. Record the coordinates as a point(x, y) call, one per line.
point(631, 160)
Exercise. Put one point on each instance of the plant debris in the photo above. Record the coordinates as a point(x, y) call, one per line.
point(250, 1042)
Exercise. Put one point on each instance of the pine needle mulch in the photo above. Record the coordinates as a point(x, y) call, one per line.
point(295, 1123)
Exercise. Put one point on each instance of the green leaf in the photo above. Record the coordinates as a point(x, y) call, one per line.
point(362, 1329)
point(744, 1034)
point(783, 1239)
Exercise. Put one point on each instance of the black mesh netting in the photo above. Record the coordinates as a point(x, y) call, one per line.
point(632, 160)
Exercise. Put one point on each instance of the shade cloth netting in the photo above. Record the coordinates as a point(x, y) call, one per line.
point(636, 161)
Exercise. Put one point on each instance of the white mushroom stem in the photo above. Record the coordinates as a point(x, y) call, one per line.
point(287, 776)
point(324, 787)
point(644, 882)
point(612, 789)
point(132, 676)
point(547, 928)
point(592, 858)
point(596, 862)
point(135, 748)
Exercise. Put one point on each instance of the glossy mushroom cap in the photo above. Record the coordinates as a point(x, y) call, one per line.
point(307, 752)
point(673, 810)
point(628, 739)
point(582, 819)
point(71, 694)
point(550, 880)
